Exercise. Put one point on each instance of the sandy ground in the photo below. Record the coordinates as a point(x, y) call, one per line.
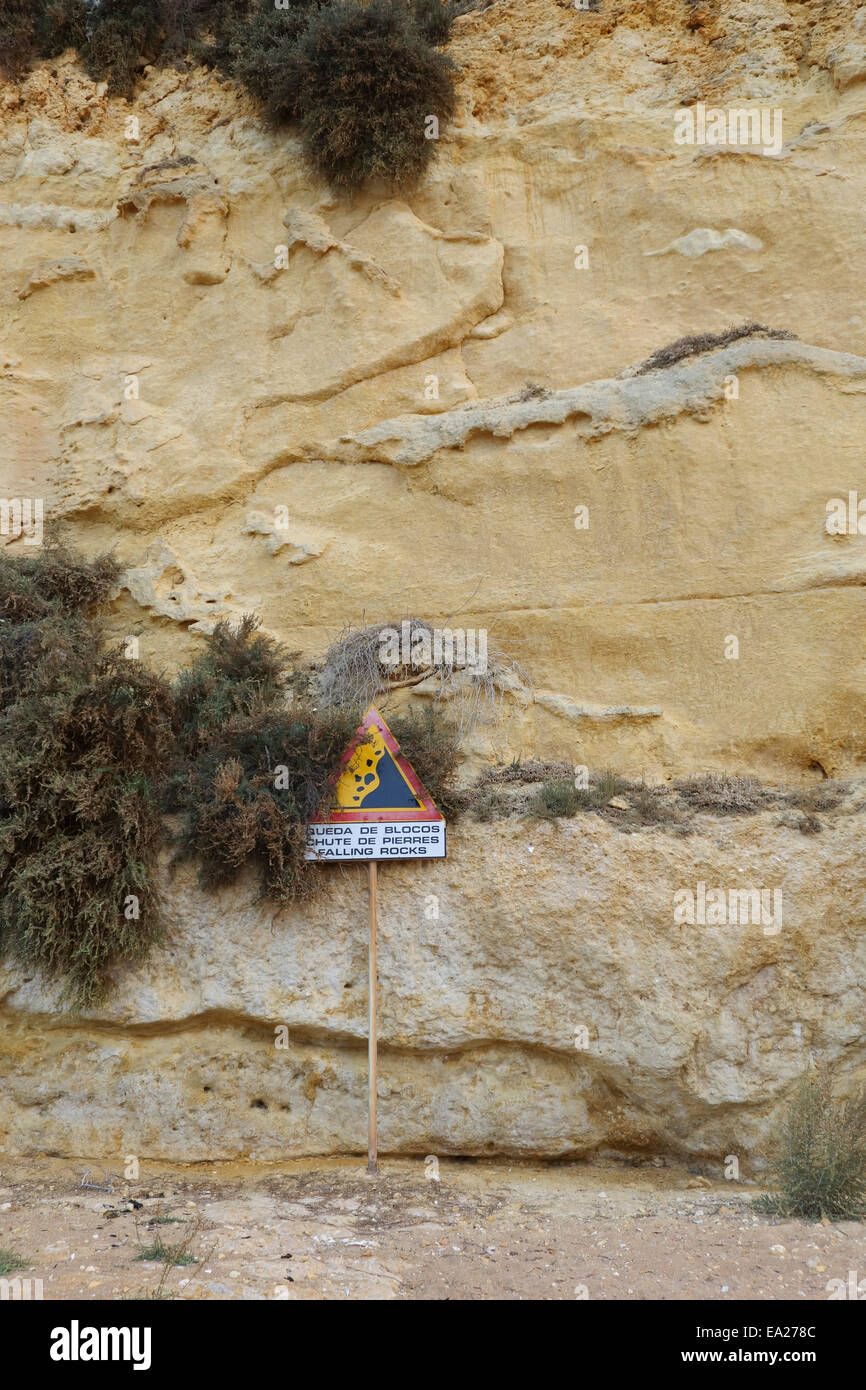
point(323, 1229)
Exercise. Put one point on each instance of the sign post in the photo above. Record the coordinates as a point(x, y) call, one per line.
point(378, 810)
point(372, 1049)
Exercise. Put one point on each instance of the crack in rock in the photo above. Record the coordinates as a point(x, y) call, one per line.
point(310, 230)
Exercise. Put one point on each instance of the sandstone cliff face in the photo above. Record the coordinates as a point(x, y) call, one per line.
point(537, 996)
point(195, 335)
point(361, 386)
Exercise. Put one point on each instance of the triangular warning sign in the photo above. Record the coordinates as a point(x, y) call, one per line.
point(375, 782)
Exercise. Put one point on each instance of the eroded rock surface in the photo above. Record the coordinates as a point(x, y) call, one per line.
point(537, 996)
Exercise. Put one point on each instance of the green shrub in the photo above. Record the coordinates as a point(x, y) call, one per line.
point(84, 738)
point(9, 1262)
point(159, 1252)
point(559, 797)
point(284, 56)
point(652, 805)
point(240, 672)
point(491, 806)
point(185, 22)
point(250, 792)
point(605, 786)
point(18, 42)
point(46, 635)
point(263, 56)
point(122, 35)
point(722, 794)
point(251, 769)
point(33, 29)
point(53, 581)
point(115, 37)
point(367, 81)
point(819, 1156)
point(433, 19)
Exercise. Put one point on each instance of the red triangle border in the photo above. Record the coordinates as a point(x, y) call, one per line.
point(428, 811)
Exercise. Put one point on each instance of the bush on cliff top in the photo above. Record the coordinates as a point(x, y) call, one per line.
point(359, 77)
point(261, 53)
point(33, 29)
point(121, 35)
point(367, 81)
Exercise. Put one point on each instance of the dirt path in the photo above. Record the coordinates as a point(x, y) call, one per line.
point(323, 1229)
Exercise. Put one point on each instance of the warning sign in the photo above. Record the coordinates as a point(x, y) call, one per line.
point(379, 809)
